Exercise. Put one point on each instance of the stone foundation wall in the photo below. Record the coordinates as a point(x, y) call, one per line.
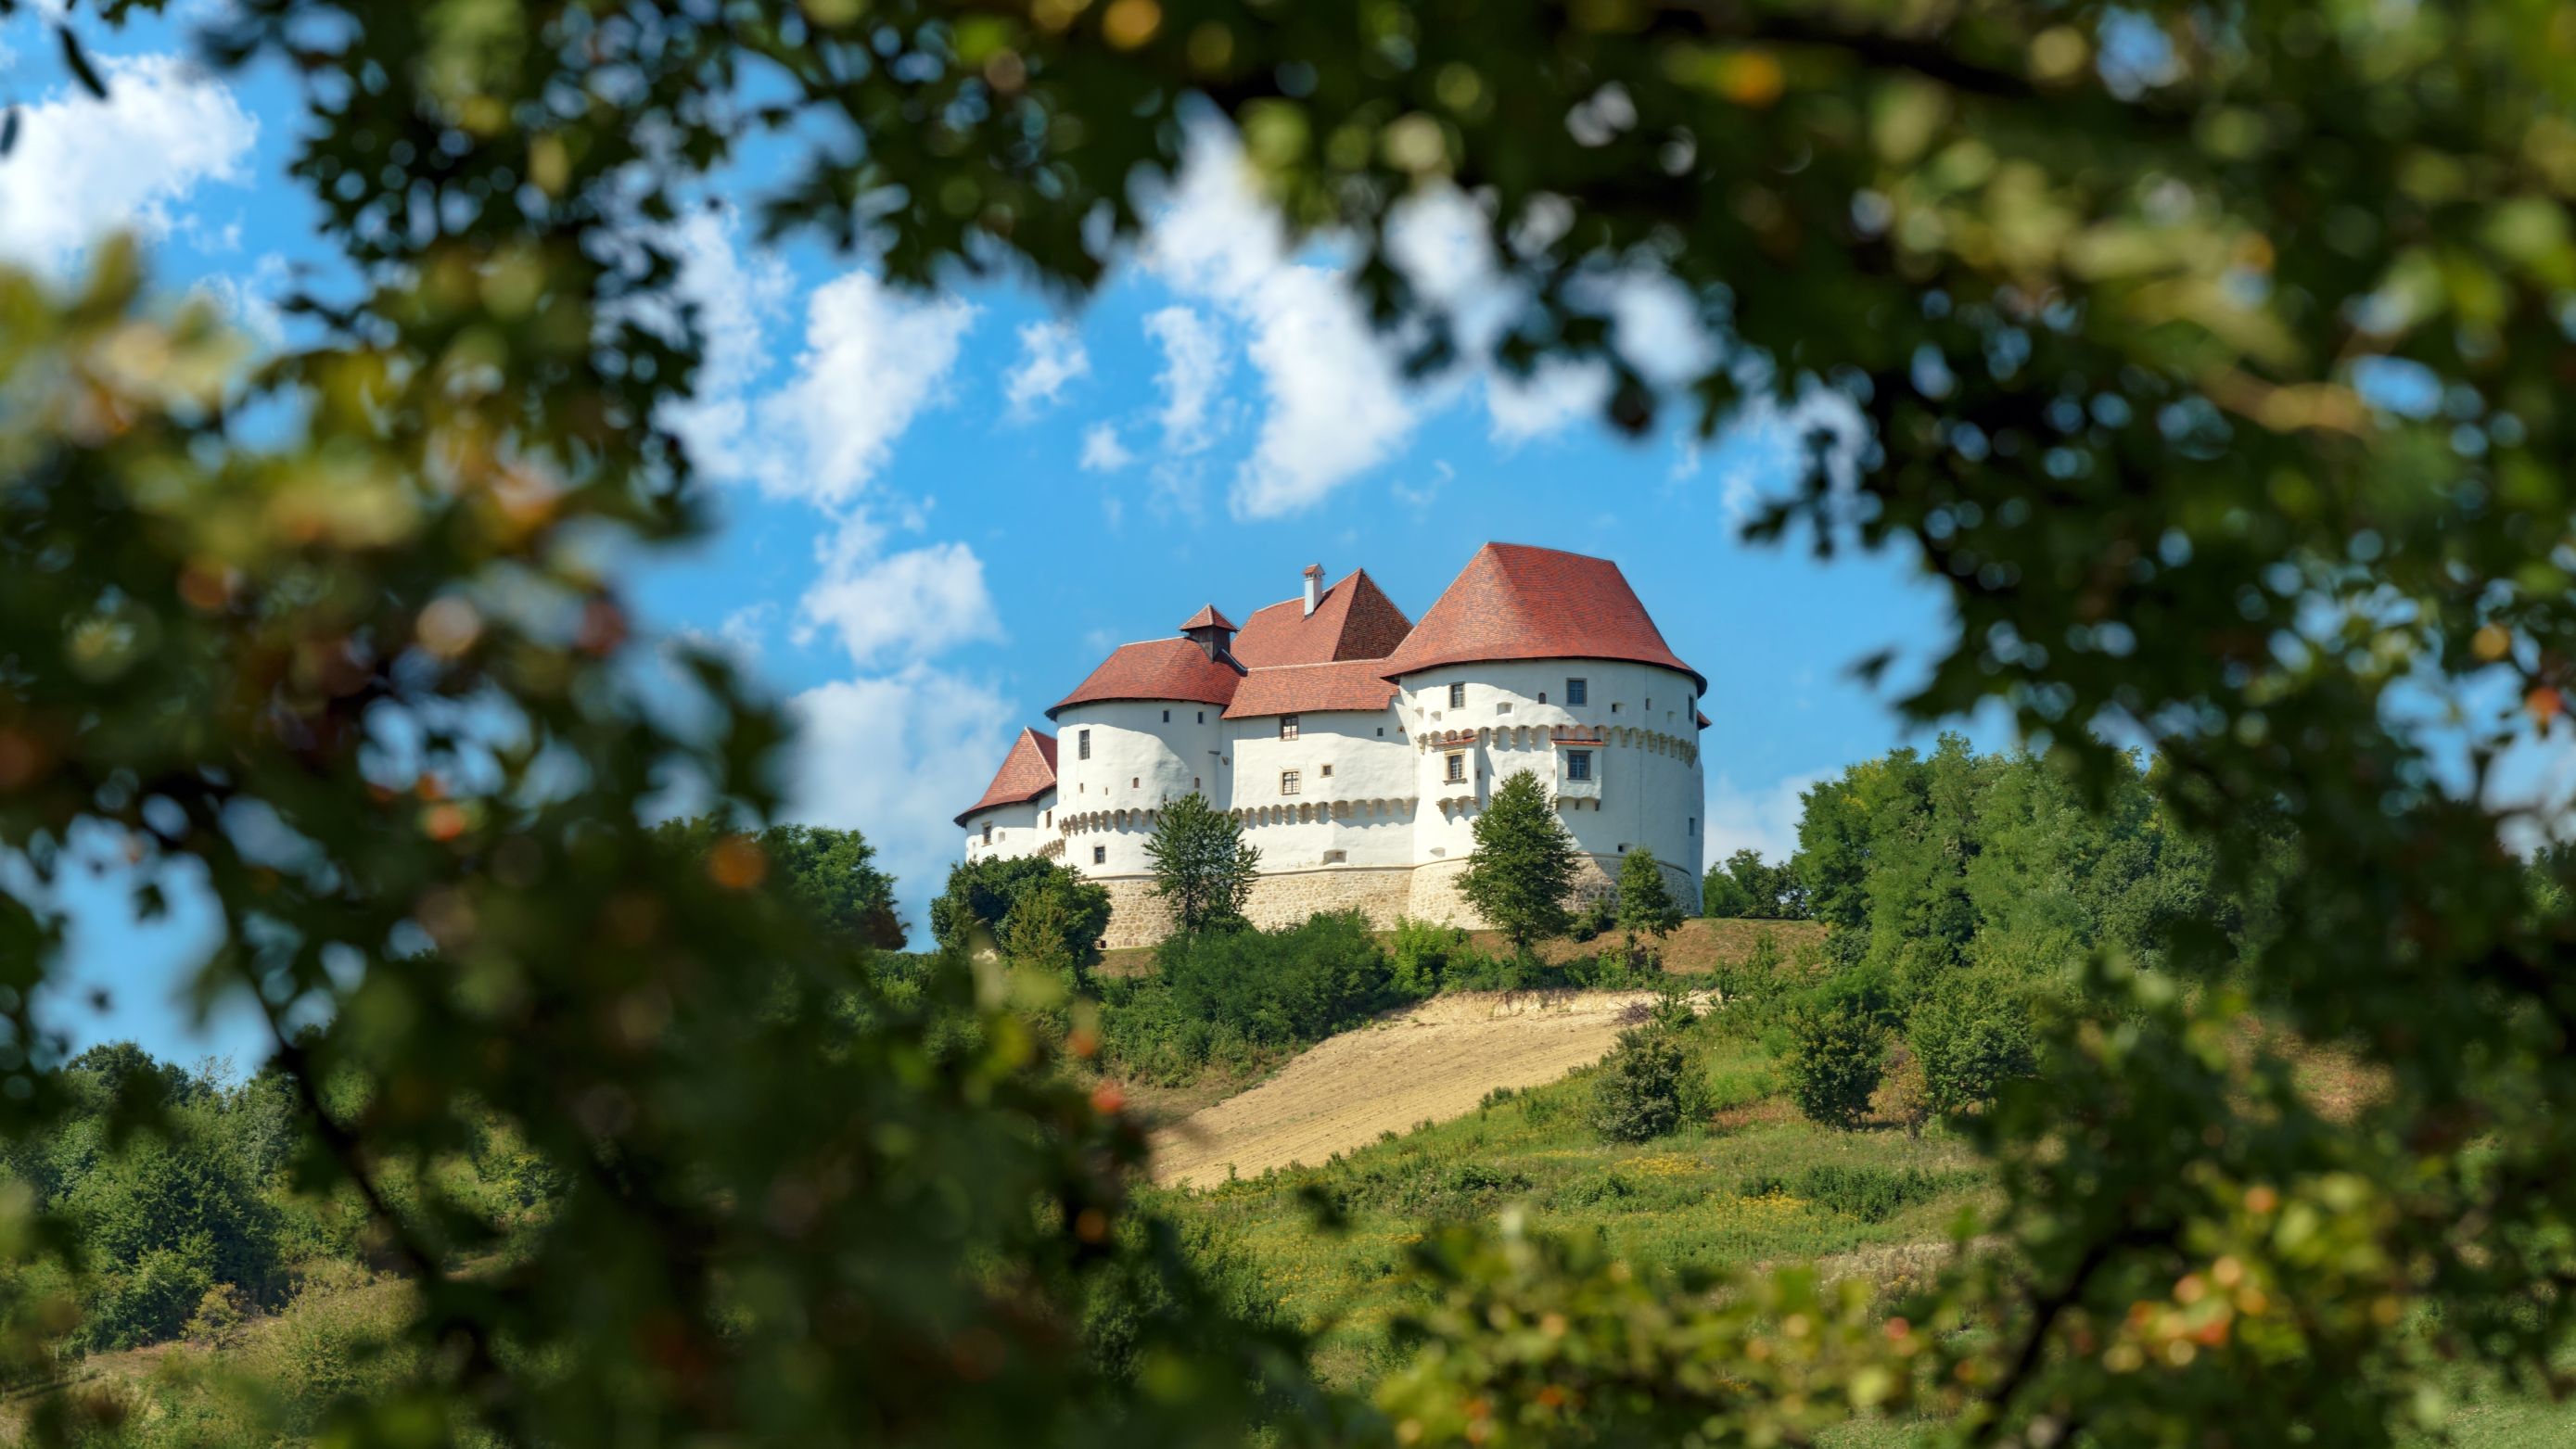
point(1382, 893)
point(1137, 917)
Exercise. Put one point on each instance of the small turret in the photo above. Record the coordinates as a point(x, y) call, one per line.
point(1211, 631)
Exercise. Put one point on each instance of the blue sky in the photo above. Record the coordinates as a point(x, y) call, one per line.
point(938, 512)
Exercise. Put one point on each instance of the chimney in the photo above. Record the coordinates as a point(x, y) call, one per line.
point(1314, 586)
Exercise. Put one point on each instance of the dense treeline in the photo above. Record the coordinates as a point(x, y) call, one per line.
point(1960, 891)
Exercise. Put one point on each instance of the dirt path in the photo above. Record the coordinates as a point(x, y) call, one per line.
point(1437, 1061)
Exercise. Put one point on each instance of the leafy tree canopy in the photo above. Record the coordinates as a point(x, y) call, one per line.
point(1203, 870)
point(829, 872)
point(2212, 360)
point(983, 895)
point(1522, 869)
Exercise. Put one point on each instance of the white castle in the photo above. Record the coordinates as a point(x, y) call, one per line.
point(1357, 748)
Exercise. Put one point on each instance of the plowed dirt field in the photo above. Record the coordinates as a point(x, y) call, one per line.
point(1435, 1061)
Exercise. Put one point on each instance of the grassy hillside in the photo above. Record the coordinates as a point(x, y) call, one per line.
point(1700, 945)
point(1753, 1184)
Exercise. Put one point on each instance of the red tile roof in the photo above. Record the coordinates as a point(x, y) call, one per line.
point(1312, 689)
point(1207, 618)
point(1027, 772)
point(1353, 620)
point(1513, 601)
point(1157, 669)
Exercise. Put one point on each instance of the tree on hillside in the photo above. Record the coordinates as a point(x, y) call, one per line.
point(1203, 869)
point(1522, 868)
point(2209, 359)
point(982, 895)
point(1646, 905)
point(1040, 928)
point(830, 872)
point(1743, 887)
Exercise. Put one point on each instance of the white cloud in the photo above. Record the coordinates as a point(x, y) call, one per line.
point(1051, 357)
point(896, 757)
point(1764, 443)
point(901, 606)
point(874, 359)
point(739, 294)
point(1102, 452)
point(1556, 394)
point(1194, 367)
point(252, 298)
point(84, 167)
point(1759, 817)
point(1336, 404)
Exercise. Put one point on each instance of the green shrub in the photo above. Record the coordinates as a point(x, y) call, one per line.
point(1418, 956)
point(1232, 998)
point(1972, 1031)
point(1597, 918)
point(1638, 1094)
point(1832, 1064)
point(1417, 1187)
point(1871, 1194)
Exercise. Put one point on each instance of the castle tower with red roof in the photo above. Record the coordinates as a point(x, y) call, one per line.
point(1357, 747)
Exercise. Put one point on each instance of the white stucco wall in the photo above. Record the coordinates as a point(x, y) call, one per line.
point(1363, 809)
point(1140, 762)
point(1023, 829)
point(1648, 782)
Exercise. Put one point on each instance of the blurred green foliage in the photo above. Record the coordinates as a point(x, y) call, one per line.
point(2213, 360)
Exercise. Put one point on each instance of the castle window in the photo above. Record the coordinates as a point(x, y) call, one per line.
point(1135, 782)
point(1194, 782)
point(1650, 703)
point(1050, 817)
point(1614, 706)
point(1578, 764)
point(1287, 726)
point(1623, 847)
point(988, 832)
point(1327, 772)
point(1287, 782)
point(1691, 826)
point(1457, 768)
point(1542, 696)
point(1457, 696)
point(1503, 708)
point(1100, 855)
point(1336, 857)
point(1167, 716)
point(1202, 716)
point(1082, 745)
point(1381, 732)
point(1575, 691)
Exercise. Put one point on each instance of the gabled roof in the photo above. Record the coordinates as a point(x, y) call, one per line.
point(1513, 601)
point(1207, 618)
point(1158, 669)
point(1354, 620)
point(1027, 772)
point(1312, 689)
